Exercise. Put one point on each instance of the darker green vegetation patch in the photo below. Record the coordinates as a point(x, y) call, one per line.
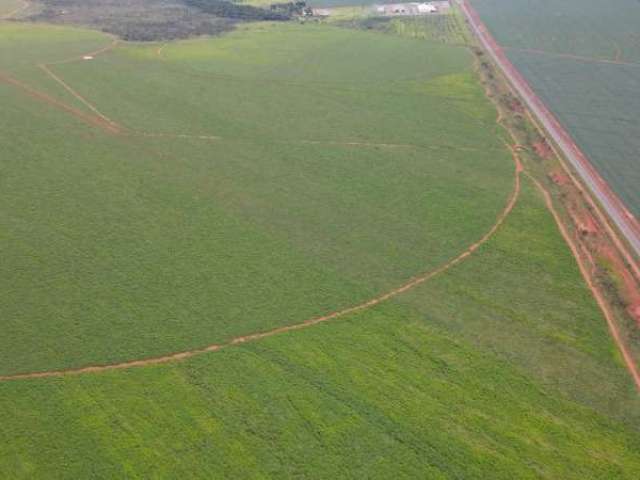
point(152, 20)
point(447, 28)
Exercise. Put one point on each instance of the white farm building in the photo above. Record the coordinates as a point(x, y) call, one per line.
point(426, 8)
point(412, 8)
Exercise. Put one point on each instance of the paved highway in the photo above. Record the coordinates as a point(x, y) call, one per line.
point(624, 220)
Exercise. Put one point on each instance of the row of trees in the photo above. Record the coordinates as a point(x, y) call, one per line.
point(222, 8)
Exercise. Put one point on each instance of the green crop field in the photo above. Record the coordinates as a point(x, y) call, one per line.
point(589, 28)
point(332, 180)
point(257, 180)
point(582, 58)
point(469, 377)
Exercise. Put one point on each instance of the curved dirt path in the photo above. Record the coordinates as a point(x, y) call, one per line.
point(299, 326)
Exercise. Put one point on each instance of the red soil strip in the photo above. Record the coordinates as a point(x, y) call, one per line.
point(516, 106)
point(602, 303)
point(308, 323)
point(92, 120)
point(542, 149)
point(584, 222)
point(559, 178)
point(82, 99)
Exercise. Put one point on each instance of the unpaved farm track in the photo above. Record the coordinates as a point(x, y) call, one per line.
point(118, 128)
point(299, 326)
point(45, 68)
point(93, 120)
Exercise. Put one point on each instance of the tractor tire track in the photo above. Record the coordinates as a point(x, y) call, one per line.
point(616, 61)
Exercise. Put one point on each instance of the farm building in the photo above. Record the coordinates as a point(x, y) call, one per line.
point(412, 8)
point(321, 12)
point(426, 8)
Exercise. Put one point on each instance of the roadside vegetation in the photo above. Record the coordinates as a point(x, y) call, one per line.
point(578, 49)
point(443, 28)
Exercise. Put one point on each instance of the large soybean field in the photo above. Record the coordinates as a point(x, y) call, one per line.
point(291, 251)
point(583, 59)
